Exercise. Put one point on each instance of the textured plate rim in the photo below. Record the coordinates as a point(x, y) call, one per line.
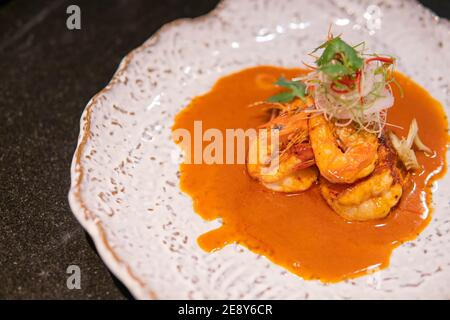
point(85, 217)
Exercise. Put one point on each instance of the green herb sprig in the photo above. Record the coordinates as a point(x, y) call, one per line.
point(338, 58)
point(297, 89)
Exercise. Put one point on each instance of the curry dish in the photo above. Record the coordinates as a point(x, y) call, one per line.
point(352, 177)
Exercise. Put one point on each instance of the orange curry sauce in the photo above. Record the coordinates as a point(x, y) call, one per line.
point(299, 231)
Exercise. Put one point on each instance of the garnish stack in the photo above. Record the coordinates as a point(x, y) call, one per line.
point(347, 85)
point(350, 87)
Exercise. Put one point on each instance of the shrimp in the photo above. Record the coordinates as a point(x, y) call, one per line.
point(271, 167)
point(372, 197)
point(342, 154)
point(300, 181)
point(287, 169)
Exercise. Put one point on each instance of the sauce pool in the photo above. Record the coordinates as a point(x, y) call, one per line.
point(299, 231)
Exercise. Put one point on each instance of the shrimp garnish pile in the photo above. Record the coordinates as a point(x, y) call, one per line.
point(332, 121)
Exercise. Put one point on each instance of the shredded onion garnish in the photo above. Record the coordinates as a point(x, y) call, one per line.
point(366, 103)
point(350, 87)
point(404, 146)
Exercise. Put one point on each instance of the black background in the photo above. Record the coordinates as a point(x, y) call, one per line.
point(47, 74)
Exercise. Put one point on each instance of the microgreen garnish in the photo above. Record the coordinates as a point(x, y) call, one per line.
point(338, 58)
point(346, 84)
point(297, 89)
point(352, 88)
point(336, 70)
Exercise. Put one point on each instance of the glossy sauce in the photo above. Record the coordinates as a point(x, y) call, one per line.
point(299, 231)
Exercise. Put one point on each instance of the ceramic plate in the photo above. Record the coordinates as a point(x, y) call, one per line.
point(125, 170)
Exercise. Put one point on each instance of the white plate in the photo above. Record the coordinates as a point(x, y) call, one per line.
point(124, 173)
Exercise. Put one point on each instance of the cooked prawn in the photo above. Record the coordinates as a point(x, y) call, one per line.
point(342, 154)
point(299, 181)
point(287, 168)
point(372, 197)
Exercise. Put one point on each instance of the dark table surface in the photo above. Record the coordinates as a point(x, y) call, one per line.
point(47, 74)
